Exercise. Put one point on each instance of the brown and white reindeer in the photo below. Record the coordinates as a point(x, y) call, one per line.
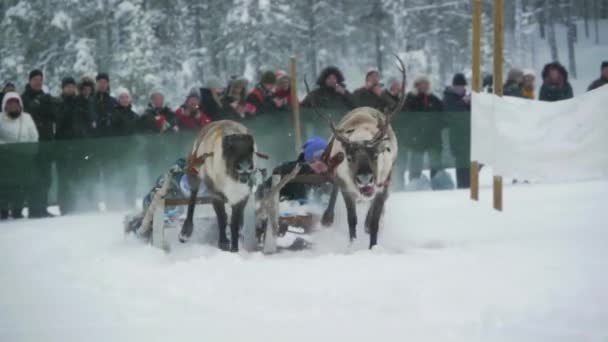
point(365, 137)
point(223, 159)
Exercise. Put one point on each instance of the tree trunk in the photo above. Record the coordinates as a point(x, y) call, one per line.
point(378, 37)
point(586, 17)
point(312, 39)
point(550, 20)
point(571, 39)
point(596, 19)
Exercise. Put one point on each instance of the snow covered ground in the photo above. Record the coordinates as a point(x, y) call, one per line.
point(447, 269)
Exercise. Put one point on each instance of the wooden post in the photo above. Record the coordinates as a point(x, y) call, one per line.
point(476, 53)
point(295, 110)
point(497, 189)
point(499, 26)
point(474, 180)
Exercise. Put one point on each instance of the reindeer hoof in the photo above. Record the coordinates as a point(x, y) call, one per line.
point(186, 231)
point(327, 219)
point(224, 245)
point(182, 238)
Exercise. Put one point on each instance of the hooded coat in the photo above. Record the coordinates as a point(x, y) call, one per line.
point(19, 130)
point(40, 106)
point(555, 92)
point(326, 97)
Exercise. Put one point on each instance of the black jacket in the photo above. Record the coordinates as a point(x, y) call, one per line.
point(149, 124)
point(600, 82)
point(364, 97)
point(40, 106)
point(104, 104)
point(73, 117)
point(425, 121)
point(210, 106)
point(327, 98)
point(459, 124)
point(123, 121)
point(297, 191)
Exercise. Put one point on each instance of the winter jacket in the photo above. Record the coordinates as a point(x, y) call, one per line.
point(330, 100)
point(40, 106)
point(364, 97)
point(259, 101)
point(600, 82)
point(284, 94)
point(553, 92)
point(459, 124)
point(512, 88)
point(104, 104)
point(73, 117)
point(425, 121)
point(528, 93)
point(185, 121)
point(211, 107)
point(19, 130)
point(157, 120)
point(123, 121)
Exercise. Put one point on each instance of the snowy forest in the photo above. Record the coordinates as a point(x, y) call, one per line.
point(175, 44)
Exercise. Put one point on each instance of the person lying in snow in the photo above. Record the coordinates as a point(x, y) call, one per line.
point(302, 194)
point(178, 187)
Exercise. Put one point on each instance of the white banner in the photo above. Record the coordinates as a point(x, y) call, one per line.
point(520, 138)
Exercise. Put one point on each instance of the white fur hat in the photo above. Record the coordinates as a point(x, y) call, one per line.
point(529, 72)
point(122, 91)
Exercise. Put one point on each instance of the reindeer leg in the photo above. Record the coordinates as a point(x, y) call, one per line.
point(351, 211)
point(236, 223)
point(222, 218)
point(188, 225)
point(373, 217)
point(328, 216)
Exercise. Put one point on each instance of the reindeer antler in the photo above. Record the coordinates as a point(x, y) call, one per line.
point(383, 127)
point(332, 125)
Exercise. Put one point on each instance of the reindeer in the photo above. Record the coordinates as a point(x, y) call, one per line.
point(365, 137)
point(223, 159)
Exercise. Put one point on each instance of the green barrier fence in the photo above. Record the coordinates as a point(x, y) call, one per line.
point(118, 170)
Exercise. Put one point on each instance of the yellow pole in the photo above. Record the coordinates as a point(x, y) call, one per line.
point(295, 110)
point(499, 25)
point(476, 53)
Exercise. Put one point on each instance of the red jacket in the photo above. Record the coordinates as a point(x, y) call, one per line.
point(187, 122)
point(284, 94)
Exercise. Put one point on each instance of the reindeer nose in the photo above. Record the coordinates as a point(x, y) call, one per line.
point(245, 166)
point(365, 178)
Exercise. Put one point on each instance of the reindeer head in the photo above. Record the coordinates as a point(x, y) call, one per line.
point(362, 161)
point(362, 155)
point(238, 150)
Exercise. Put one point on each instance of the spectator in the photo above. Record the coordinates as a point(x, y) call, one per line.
point(123, 120)
point(72, 113)
point(603, 80)
point(394, 91)
point(555, 83)
point(456, 101)
point(190, 116)
point(210, 99)
point(104, 105)
point(331, 93)
point(158, 118)
point(488, 84)
point(16, 126)
point(528, 87)
point(8, 87)
point(371, 94)
point(73, 121)
point(260, 99)
point(513, 86)
point(120, 175)
point(282, 95)
point(234, 98)
point(424, 132)
point(40, 106)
